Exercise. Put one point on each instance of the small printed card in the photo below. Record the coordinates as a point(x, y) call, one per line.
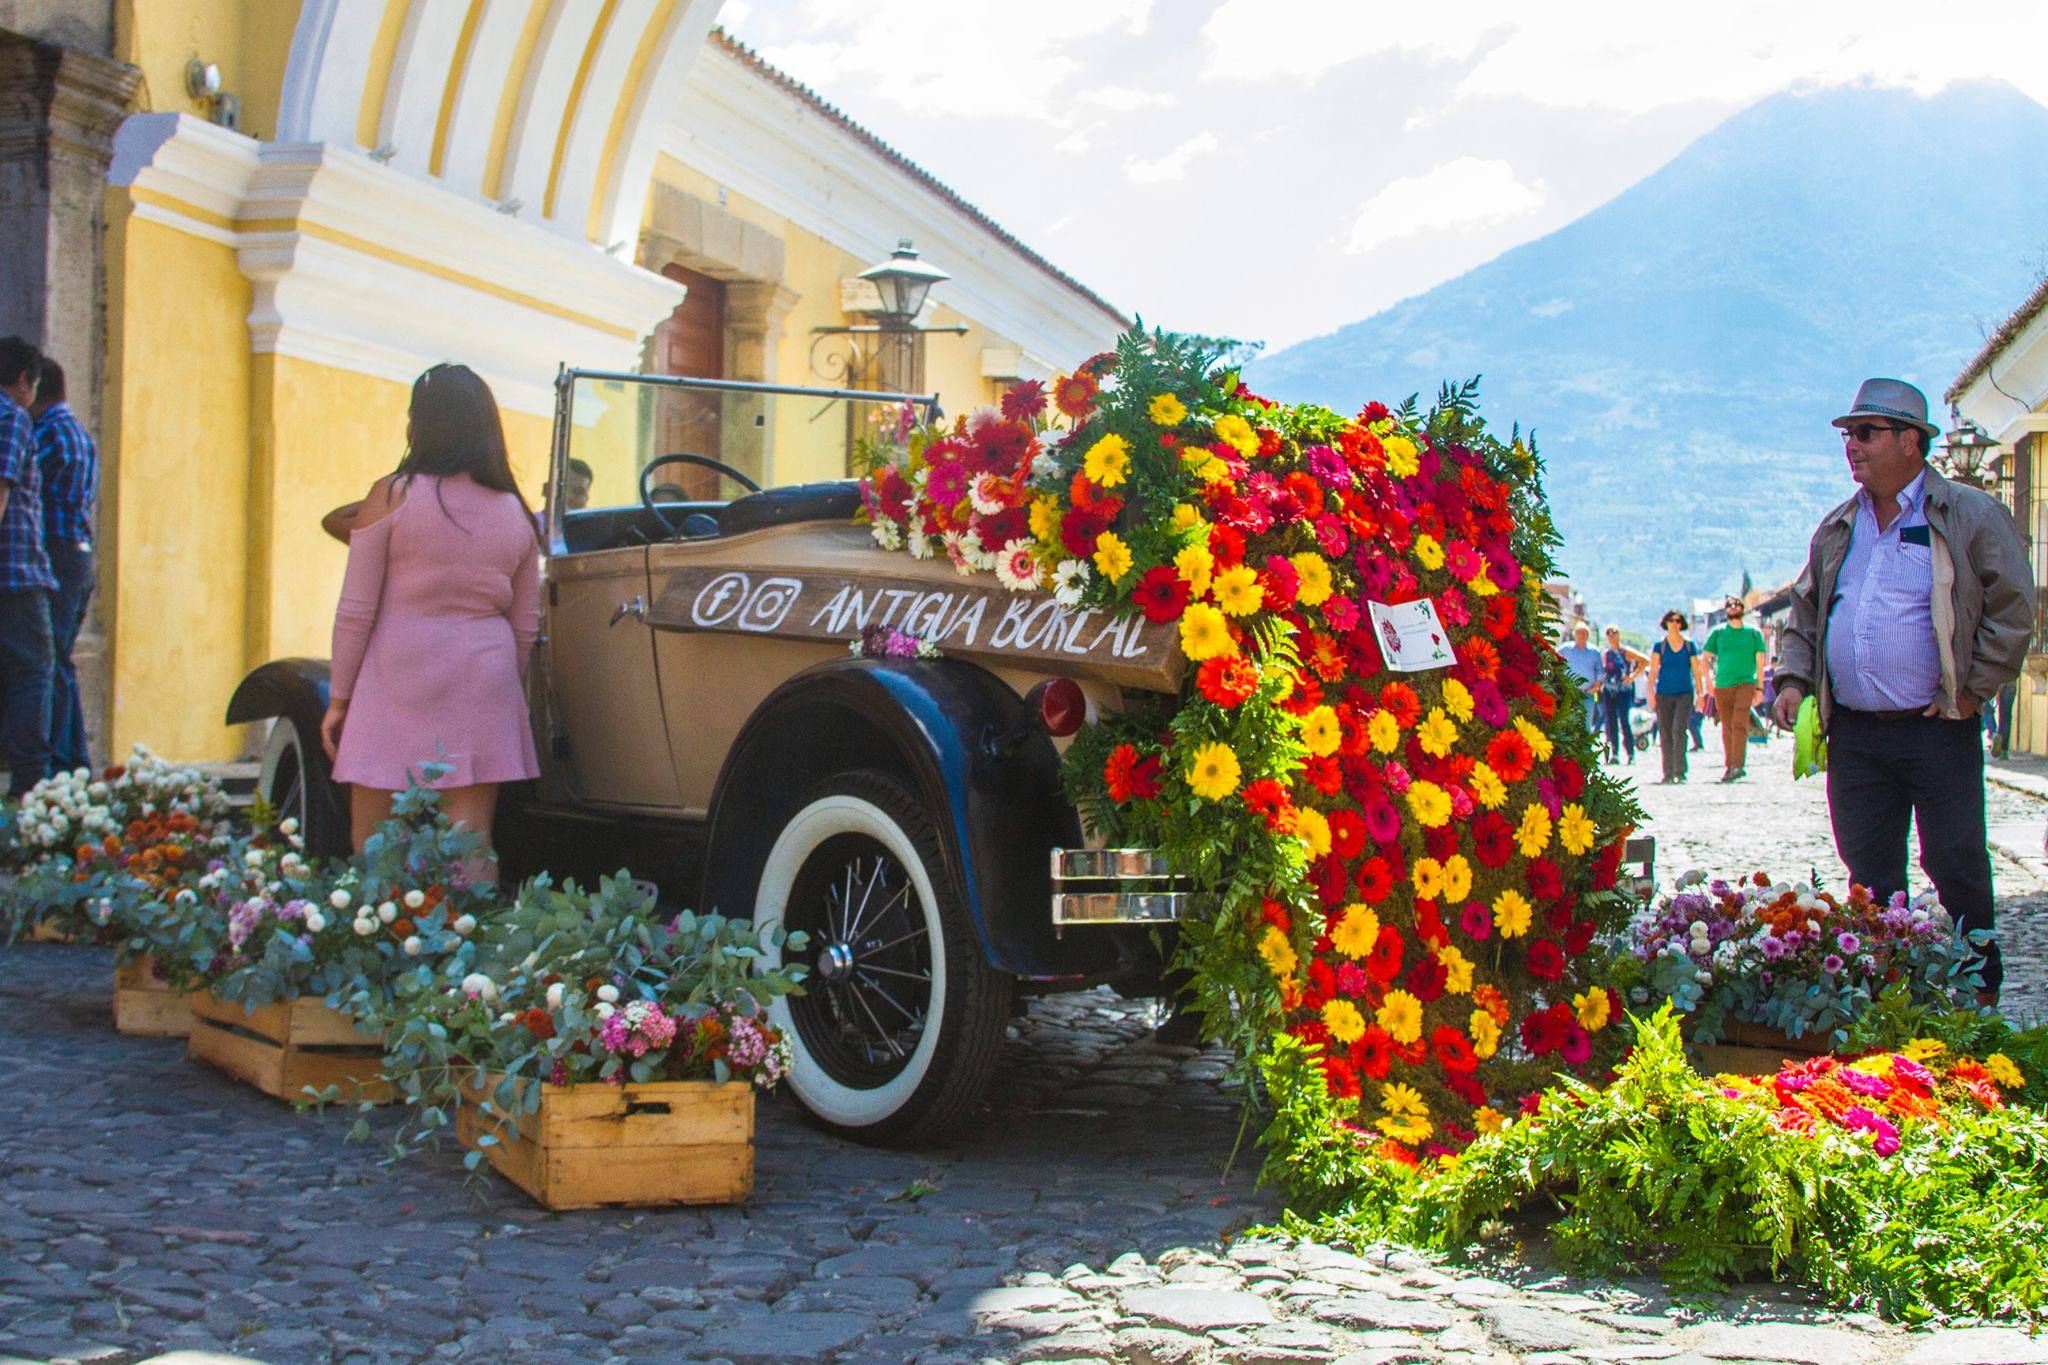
point(1411, 637)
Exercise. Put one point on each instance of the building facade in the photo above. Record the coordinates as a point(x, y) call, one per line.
point(2004, 390)
point(301, 204)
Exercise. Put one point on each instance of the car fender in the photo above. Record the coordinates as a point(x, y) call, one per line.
point(295, 689)
point(972, 750)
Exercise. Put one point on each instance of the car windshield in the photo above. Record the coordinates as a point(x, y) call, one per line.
point(612, 427)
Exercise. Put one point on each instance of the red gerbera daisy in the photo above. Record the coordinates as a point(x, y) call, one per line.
point(1075, 395)
point(1453, 1051)
point(1400, 699)
point(1347, 834)
point(1129, 776)
point(1227, 681)
point(1509, 755)
point(1545, 960)
point(1373, 1053)
point(1267, 799)
point(1545, 882)
point(1375, 880)
point(1161, 594)
point(1493, 839)
point(1384, 961)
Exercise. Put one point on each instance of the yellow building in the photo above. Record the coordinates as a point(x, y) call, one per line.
point(2004, 391)
point(311, 202)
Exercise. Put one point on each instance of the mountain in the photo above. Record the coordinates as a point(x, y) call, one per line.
point(1680, 350)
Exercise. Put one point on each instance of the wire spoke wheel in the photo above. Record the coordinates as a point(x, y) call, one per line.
point(870, 992)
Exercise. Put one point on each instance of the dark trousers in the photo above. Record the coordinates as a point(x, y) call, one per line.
point(1671, 713)
point(1614, 707)
point(25, 667)
point(1883, 772)
point(73, 567)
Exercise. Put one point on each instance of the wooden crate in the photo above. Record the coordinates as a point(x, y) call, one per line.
point(1748, 1049)
point(145, 1007)
point(282, 1049)
point(588, 1146)
point(46, 931)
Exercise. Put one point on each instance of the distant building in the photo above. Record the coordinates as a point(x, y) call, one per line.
point(2004, 390)
point(1570, 604)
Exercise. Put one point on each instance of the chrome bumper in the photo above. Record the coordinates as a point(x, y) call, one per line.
point(1115, 886)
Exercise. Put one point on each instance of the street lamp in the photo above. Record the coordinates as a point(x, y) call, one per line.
point(903, 282)
point(1966, 450)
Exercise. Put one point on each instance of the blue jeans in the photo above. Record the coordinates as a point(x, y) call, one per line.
point(73, 566)
point(25, 666)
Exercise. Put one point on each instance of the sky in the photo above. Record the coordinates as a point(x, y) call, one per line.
point(1272, 169)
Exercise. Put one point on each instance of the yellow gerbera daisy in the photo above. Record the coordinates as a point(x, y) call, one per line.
point(1194, 564)
point(1400, 1014)
point(1401, 462)
point(1237, 433)
point(1532, 836)
point(1356, 930)
point(1479, 585)
point(1487, 1119)
point(2004, 1070)
point(1384, 731)
point(1343, 1020)
point(1539, 743)
point(1457, 878)
point(1592, 1009)
point(1406, 1116)
point(1213, 771)
point(1436, 732)
point(1315, 586)
point(1428, 877)
point(1186, 517)
point(1428, 552)
point(1457, 970)
point(1487, 788)
point(1203, 464)
point(1278, 953)
point(1431, 804)
point(1457, 699)
point(1320, 731)
point(1575, 829)
point(1112, 556)
point(1512, 913)
point(1165, 410)
point(1108, 461)
point(1485, 1034)
point(1045, 519)
point(1237, 590)
point(1204, 634)
point(1314, 828)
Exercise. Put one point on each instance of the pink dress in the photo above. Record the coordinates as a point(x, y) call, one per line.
point(438, 614)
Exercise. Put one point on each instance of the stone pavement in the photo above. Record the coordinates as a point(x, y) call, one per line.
point(150, 1205)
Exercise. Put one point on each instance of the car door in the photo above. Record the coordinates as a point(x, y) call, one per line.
point(608, 711)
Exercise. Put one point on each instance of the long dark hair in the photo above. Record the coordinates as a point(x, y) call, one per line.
point(454, 428)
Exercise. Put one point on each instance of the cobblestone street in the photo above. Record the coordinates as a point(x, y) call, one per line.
point(153, 1205)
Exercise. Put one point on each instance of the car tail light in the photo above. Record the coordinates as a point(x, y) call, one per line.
point(1061, 706)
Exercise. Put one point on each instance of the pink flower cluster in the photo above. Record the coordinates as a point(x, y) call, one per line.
point(636, 1029)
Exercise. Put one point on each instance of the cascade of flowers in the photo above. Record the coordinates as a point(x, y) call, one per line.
point(1410, 868)
point(1871, 1097)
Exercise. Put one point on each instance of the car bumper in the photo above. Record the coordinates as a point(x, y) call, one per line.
point(1115, 886)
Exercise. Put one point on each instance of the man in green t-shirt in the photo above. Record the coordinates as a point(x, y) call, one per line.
point(1734, 651)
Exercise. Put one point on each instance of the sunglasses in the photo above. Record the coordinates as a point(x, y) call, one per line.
point(1864, 433)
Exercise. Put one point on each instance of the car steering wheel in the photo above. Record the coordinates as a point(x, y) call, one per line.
point(704, 461)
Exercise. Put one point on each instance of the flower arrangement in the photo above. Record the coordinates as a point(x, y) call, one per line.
point(1788, 956)
point(571, 988)
point(1418, 865)
point(878, 641)
point(78, 808)
point(1900, 1182)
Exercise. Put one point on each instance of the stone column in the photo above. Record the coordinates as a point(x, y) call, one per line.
point(754, 314)
point(58, 110)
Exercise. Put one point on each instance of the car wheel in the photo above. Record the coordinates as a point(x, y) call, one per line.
point(296, 783)
point(901, 1018)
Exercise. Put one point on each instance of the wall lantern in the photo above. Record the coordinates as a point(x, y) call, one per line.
point(1967, 450)
point(904, 282)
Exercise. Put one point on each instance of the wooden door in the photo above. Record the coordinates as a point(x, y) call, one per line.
point(691, 342)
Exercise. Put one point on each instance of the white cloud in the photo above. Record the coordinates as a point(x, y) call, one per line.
point(1121, 99)
point(1174, 164)
point(1460, 195)
point(945, 58)
point(1631, 57)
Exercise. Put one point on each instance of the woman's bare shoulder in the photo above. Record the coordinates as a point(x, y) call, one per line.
point(386, 496)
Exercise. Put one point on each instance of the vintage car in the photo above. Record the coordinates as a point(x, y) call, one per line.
point(701, 719)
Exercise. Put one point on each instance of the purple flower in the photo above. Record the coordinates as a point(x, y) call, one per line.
point(1774, 947)
point(1848, 942)
point(1831, 964)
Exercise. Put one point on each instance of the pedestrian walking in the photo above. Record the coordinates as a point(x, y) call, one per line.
point(1915, 607)
point(1584, 662)
point(25, 578)
point(1676, 681)
point(68, 463)
point(1620, 666)
point(1732, 652)
point(438, 615)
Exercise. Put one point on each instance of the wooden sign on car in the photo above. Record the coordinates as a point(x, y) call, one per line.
point(959, 617)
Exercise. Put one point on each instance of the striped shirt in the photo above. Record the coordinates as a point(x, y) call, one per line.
point(69, 464)
point(1881, 650)
point(24, 563)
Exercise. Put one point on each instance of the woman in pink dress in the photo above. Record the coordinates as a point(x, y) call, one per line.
point(437, 617)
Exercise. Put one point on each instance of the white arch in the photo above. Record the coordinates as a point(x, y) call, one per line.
point(591, 120)
point(325, 74)
point(544, 103)
point(420, 71)
point(654, 104)
point(475, 114)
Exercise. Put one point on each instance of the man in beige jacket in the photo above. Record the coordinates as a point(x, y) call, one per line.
point(1915, 607)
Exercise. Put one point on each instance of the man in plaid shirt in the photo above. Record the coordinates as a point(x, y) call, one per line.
point(25, 578)
point(69, 465)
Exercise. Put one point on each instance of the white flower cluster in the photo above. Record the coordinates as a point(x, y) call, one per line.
point(70, 808)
